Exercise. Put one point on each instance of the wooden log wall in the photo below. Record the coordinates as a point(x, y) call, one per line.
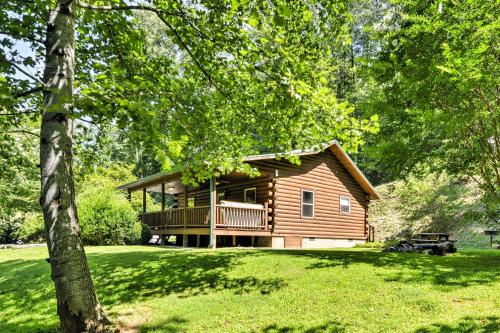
point(327, 177)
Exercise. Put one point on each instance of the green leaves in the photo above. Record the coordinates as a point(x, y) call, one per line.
point(439, 90)
point(205, 84)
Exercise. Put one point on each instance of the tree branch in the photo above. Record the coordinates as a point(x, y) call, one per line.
point(17, 113)
point(183, 15)
point(21, 131)
point(126, 7)
point(29, 92)
point(13, 64)
point(188, 50)
point(159, 13)
point(93, 123)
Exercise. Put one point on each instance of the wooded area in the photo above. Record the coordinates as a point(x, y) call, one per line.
point(97, 93)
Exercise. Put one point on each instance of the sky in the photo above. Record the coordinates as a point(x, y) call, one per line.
point(24, 49)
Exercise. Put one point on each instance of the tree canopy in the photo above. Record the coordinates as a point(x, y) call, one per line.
point(208, 82)
point(437, 89)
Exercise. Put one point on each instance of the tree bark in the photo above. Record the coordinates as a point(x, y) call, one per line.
point(77, 305)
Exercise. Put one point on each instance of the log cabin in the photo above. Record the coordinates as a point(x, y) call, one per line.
point(321, 203)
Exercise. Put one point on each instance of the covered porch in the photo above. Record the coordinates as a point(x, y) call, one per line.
point(231, 205)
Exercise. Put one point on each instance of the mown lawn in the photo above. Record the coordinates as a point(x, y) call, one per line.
point(232, 290)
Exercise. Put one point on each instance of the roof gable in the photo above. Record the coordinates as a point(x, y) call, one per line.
point(342, 156)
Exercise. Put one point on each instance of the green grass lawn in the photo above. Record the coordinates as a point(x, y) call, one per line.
point(232, 290)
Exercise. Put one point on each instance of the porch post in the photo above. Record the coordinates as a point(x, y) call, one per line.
point(213, 202)
point(144, 200)
point(185, 217)
point(162, 197)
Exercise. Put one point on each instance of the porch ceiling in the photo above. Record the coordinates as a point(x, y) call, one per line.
point(173, 184)
point(151, 181)
point(171, 187)
point(176, 186)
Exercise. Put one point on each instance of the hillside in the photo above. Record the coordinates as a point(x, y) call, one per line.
point(434, 203)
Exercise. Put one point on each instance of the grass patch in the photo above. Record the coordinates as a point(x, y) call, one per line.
point(233, 290)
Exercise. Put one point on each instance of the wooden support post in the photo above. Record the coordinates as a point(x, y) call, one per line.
point(185, 216)
point(198, 240)
point(234, 240)
point(162, 197)
point(185, 212)
point(266, 216)
point(144, 200)
point(273, 203)
point(213, 198)
point(253, 241)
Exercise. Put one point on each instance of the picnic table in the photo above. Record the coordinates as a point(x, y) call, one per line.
point(432, 237)
point(438, 242)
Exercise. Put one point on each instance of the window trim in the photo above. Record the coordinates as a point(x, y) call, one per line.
point(302, 203)
point(340, 204)
point(245, 194)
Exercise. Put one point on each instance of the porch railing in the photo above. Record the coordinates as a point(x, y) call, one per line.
point(231, 218)
point(242, 218)
point(174, 217)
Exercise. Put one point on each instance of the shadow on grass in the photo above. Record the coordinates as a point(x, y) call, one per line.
point(176, 324)
point(26, 292)
point(168, 325)
point(465, 325)
point(126, 277)
point(26, 288)
point(328, 327)
point(452, 271)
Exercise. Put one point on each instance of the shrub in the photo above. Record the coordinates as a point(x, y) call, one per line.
point(33, 229)
point(113, 175)
point(134, 236)
point(371, 245)
point(107, 217)
point(9, 227)
point(145, 234)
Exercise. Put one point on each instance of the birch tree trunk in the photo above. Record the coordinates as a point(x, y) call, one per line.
point(77, 305)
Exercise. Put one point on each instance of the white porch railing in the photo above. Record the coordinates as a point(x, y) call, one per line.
point(242, 218)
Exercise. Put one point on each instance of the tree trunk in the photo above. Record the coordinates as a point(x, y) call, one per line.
point(77, 305)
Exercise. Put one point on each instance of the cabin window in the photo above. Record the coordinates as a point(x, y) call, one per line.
point(307, 204)
point(345, 205)
point(191, 203)
point(250, 195)
point(220, 196)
